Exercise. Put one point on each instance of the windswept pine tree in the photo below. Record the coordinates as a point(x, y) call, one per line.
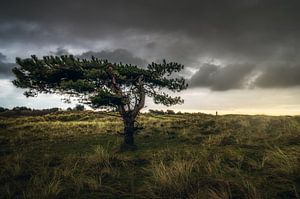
point(101, 84)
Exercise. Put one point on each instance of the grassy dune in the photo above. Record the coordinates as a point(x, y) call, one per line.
point(74, 155)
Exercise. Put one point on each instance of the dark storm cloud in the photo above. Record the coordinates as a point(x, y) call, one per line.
point(5, 68)
point(234, 31)
point(239, 76)
point(115, 56)
point(60, 51)
point(221, 78)
point(234, 22)
point(2, 57)
point(279, 76)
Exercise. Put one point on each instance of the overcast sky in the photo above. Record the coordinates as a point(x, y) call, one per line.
point(240, 56)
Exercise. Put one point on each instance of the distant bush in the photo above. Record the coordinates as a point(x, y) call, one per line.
point(160, 112)
point(171, 112)
point(21, 108)
point(79, 107)
point(2, 109)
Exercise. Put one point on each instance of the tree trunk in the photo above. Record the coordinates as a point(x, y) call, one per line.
point(129, 130)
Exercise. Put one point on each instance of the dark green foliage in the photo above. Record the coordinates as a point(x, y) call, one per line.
point(96, 78)
point(106, 98)
point(161, 112)
point(2, 109)
point(79, 107)
point(21, 108)
point(171, 112)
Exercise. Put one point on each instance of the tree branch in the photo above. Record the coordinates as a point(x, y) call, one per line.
point(142, 97)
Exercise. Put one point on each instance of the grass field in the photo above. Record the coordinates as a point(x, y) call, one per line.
point(74, 155)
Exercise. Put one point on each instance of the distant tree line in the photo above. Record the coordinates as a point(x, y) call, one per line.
point(162, 112)
point(26, 111)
